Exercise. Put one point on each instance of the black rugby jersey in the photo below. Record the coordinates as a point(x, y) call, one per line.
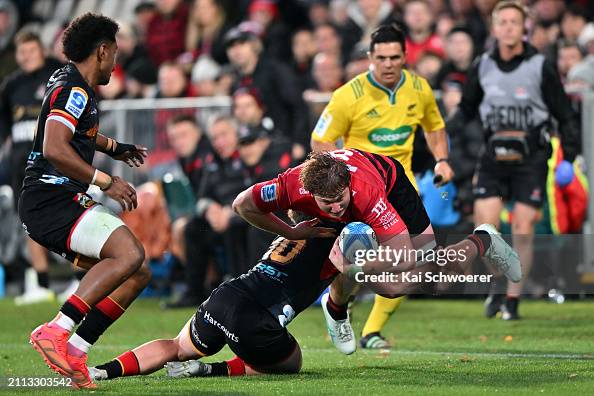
point(68, 99)
point(290, 276)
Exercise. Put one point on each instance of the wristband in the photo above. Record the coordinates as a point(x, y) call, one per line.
point(101, 180)
point(443, 160)
point(94, 176)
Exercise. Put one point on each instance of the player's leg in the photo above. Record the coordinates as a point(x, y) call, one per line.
point(103, 315)
point(335, 308)
point(195, 340)
point(404, 198)
point(98, 234)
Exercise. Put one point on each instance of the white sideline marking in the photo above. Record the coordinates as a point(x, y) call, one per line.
point(502, 355)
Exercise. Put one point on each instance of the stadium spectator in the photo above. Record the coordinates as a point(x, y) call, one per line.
point(166, 31)
point(21, 94)
point(465, 13)
point(215, 230)
point(172, 83)
point(207, 27)
point(444, 23)
point(274, 81)
point(569, 54)
point(275, 34)
point(581, 76)
point(131, 51)
point(586, 38)
point(364, 16)
point(428, 66)
point(318, 12)
point(358, 62)
point(548, 11)
point(143, 14)
point(116, 88)
point(9, 22)
point(328, 76)
point(204, 76)
point(304, 49)
point(573, 21)
point(140, 80)
point(265, 154)
point(328, 41)
point(459, 49)
point(419, 21)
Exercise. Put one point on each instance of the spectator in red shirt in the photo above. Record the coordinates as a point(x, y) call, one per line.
point(421, 38)
point(166, 32)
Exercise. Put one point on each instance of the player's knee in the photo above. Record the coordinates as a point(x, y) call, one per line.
point(143, 275)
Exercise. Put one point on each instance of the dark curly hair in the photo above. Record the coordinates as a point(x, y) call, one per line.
point(324, 176)
point(387, 34)
point(86, 33)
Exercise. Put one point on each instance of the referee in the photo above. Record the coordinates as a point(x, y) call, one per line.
point(516, 92)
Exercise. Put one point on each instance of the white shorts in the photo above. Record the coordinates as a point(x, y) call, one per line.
point(92, 230)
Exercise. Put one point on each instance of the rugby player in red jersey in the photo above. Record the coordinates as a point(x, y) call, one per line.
point(353, 185)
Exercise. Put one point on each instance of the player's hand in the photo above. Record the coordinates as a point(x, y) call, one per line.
point(133, 155)
point(123, 193)
point(337, 258)
point(307, 229)
point(444, 170)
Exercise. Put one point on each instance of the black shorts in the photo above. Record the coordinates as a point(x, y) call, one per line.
point(407, 202)
point(49, 214)
point(230, 317)
point(524, 182)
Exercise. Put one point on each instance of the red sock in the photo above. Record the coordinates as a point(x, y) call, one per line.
point(129, 363)
point(110, 308)
point(236, 367)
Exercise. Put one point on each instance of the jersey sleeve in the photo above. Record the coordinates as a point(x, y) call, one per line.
point(334, 121)
point(271, 195)
point(432, 119)
point(67, 105)
point(382, 217)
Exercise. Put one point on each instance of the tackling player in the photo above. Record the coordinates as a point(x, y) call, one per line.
point(352, 185)
point(249, 314)
point(57, 212)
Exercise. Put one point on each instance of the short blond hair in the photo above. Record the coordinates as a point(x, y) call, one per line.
point(502, 5)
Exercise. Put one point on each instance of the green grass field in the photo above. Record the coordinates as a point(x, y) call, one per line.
point(441, 347)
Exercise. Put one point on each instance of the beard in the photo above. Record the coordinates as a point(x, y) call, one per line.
point(104, 79)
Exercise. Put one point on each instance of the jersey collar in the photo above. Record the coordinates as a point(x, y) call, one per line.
point(391, 94)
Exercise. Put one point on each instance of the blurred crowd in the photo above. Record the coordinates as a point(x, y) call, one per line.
point(279, 61)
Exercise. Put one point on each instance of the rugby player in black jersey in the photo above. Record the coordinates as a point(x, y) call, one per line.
point(57, 212)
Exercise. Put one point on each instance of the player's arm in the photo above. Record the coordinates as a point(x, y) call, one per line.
point(332, 124)
point(263, 218)
point(58, 151)
point(131, 154)
point(558, 104)
point(435, 134)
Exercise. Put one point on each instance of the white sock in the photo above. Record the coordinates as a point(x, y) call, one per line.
point(64, 322)
point(79, 343)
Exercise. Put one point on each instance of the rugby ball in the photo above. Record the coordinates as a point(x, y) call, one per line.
point(356, 237)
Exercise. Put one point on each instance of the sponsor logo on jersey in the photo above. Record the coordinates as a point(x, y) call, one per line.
point(51, 179)
point(270, 272)
point(209, 319)
point(521, 93)
point(76, 102)
point(195, 336)
point(385, 137)
point(323, 123)
point(388, 219)
point(84, 200)
point(379, 208)
point(268, 193)
point(92, 132)
point(287, 316)
point(303, 191)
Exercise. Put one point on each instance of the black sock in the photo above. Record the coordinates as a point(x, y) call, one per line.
point(482, 240)
point(218, 369)
point(95, 324)
point(43, 279)
point(72, 312)
point(337, 312)
point(113, 368)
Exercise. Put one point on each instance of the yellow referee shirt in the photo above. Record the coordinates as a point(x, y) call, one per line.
point(373, 118)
